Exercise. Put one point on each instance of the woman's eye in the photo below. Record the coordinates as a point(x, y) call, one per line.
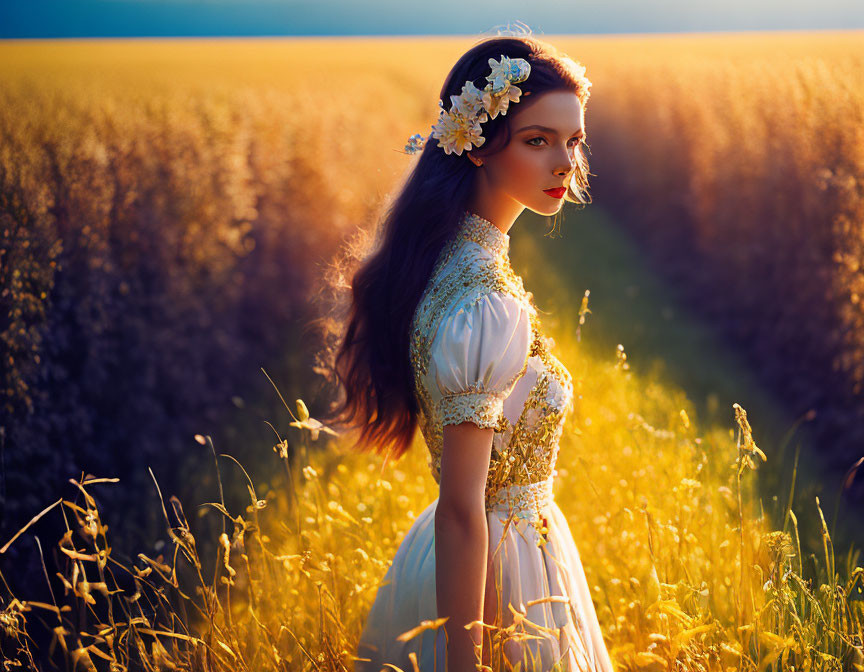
point(573, 141)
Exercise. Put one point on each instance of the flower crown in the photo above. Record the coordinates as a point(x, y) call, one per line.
point(458, 128)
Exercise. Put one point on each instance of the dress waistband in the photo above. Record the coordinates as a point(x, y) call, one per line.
point(526, 501)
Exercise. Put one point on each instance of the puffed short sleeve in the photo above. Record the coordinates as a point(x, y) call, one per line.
point(477, 356)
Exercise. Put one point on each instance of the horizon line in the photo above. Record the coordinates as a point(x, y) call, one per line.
point(356, 36)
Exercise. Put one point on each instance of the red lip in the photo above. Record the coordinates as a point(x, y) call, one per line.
point(558, 192)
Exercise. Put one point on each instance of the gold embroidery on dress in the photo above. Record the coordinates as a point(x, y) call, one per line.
point(524, 453)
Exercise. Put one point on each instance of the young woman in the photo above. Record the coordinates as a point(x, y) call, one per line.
point(442, 334)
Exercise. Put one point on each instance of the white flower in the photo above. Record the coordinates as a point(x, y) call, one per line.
point(458, 129)
point(507, 71)
point(456, 133)
point(469, 103)
point(494, 103)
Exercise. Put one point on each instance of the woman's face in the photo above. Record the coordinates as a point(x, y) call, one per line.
point(544, 137)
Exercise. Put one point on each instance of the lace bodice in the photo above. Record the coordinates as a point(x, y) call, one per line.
point(478, 354)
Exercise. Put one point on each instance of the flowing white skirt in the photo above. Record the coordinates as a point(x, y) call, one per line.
point(524, 571)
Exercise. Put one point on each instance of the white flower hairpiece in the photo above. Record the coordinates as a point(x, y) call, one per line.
point(458, 128)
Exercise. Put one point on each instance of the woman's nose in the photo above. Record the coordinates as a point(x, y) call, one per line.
point(564, 164)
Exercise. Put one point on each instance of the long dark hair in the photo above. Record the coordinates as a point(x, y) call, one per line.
point(371, 359)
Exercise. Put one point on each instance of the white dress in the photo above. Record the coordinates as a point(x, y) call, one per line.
point(478, 354)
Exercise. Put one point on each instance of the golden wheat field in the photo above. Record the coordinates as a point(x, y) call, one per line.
point(301, 139)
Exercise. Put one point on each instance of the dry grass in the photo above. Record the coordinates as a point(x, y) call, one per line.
point(685, 570)
point(737, 161)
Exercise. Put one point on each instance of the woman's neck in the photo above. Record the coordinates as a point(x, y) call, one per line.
point(501, 212)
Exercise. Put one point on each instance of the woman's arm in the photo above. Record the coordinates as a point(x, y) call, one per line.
point(462, 539)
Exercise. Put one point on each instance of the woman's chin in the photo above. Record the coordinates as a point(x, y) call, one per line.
point(546, 209)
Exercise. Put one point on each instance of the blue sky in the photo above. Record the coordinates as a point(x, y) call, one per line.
point(165, 18)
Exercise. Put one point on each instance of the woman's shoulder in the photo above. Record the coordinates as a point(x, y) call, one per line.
point(476, 358)
point(472, 272)
point(473, 281)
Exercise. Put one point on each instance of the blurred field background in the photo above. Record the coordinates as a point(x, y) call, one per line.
point(167, 210)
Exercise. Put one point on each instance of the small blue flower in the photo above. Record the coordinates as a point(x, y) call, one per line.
point(415, 143)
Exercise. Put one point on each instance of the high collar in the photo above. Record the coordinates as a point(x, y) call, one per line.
point(483, 232)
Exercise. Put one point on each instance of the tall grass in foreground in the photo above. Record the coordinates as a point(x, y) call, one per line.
point(684, 570)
